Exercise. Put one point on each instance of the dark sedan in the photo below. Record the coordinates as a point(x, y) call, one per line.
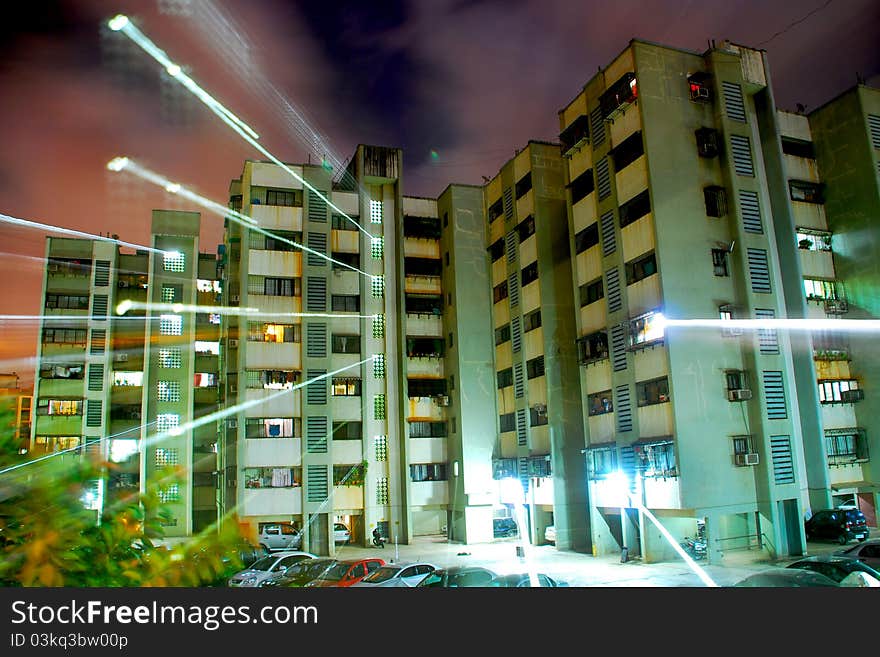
point(835, 567)
point(519, 580)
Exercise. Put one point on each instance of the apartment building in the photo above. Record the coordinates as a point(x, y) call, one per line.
point(20, 402)
point(678, 209)
point(108, 382)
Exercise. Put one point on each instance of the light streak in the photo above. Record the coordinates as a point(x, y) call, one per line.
point(222, 112)
point(841, 325)
point(217, 208)
point(127, 305)
point(76, 233)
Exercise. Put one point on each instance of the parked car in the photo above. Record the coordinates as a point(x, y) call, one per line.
point(550, 534)
point(504, 527)
point(841, 524)
point(280, 536)
point(341, 533)
point(300, 574)
point(518, 580)
point(346, 573)
point(458, 576)
point(785, 577)
point(397, 575)
point(835, 566)
point(867, 552)
point(267, 567)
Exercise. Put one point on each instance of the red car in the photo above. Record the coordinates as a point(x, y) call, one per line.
point(346, 573)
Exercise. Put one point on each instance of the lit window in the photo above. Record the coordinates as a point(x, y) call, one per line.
point(167, 422)
point(204, 380)
point(814, 241)
point(275, 427)
point(346, 387)
point(646, 329)
point(168, 391)
point(174, 261)
point(204, 347)
point(65, 407)
point(170, 358)
point(214, 318)
point(816, 289)
point(170, 325)
point(128, 378)
point(203, 285)
point(121, 449)
point(600, 403)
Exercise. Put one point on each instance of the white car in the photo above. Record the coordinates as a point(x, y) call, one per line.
point(550, 534)
point(341, 533)
point(279, 536)
point(398, 575)
point(267, 567)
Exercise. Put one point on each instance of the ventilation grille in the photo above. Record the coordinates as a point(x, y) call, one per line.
point(518, 381)
point(603, 178)
point(317, 209)
point(609, 243)
point(516, 334)
point(316, 293)
point(783, 466)
point(618, 348)
point(316, 392)
point(96, 376)
point(511, 246)
point(759, 271)
point(99, 307)
point(317, 483)
point(774, 394)
point(522, 433)
point(102, 273)
point(741, 149)
point(623, 408)
point(733, 102)
point(316, 340)
point(513, 289)
point(612, 290)
point(94, 413)
point(874, 127)
point(597, 127)
point(508, 204)
point(628, 462)
point(768, 341)
point(97, 343)
point(316, 434)
point(751, 211)
point(317, 242)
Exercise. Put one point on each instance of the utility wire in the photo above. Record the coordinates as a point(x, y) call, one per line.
point(797, 22)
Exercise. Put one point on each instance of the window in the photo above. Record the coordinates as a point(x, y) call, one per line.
point(538, 415)
point(814, 240)
point(174, 261)
point(427, 304)
point(593, 347)
point(346, 344)
point(576, 133)
point(351, 259)
point(422, 266)
point(716, 201)
point(169, 358)
point(69, 267)
point(339, 222)
point(743, 445)
point(707, 142)
point(348, 475)
point(602, 461)
point(168, 391)
point(805, 191)
point(719, 262)
point(349, 303)
point(272, 379)
point(645, 329)
point(266, 332)
point(635, 208)
point(497, 249)
point(203, 347)
point(424, 347)
point(60, 407)
point(502, 334)
point(699, 89)
point(816, 289)
point(640, 268)
point(427, 429)
point(838, 391)
point(67, 301)
point(844, 446)
point(798, 148)
point(64, 336)
point(591, 292)
point(628, 151)
point(348, 430)
point(655, 459)
point(505, 378)
point(280, 287)
point(284, 197)
point(531, 320)
point(50, 370)
point(526, 228)
point(523, 185)
point(272, 477)
point(530, 273)
point(50, 444)
point(275, 427)
point(499, 292)
point(507, 422)
point(586, 238)
point(427, 471)
point(426, 387)
point(345, 387)
point(651, 392)
point(170, 325)
point(621, 93)
point(204, 380)
point(736, 379)
point(582, 186)
point(495, 210)
point(600, 403)
point(535, 367)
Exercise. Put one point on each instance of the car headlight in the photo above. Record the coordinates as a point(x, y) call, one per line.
point(250, 581)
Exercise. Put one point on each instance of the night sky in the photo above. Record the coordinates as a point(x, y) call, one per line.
point(471, 81)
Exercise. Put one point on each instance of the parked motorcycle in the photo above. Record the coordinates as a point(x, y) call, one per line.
point(694, 547)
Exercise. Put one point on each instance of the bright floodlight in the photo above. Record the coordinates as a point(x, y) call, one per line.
point(173, 188)
point(118, 22)
point(123, 307)
point(173, 70)
point(117, 163)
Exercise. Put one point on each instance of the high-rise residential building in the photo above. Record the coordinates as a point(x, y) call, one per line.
point(20, 401)
point(126, 384)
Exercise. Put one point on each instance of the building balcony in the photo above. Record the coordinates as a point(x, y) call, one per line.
point(270, 403)
point(348, 497)
point(415, 284)
point(427, 450)
point(59, 425)
point(275, 263)
point(425, 366)
point(421, 247)
point(61, 387)
point(272, 452)
point(426, 493)
point(816, 264)
point(126, 395)
point(271, 501)
point(424, 408)
point(277, 217)
point(273, 355)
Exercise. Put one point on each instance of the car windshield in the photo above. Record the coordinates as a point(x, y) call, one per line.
point(335, 572)
point(381, 575)
point(265, 563)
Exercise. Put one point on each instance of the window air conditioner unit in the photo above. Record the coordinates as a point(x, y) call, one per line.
point(233, 343)
point(699, 93)
point(123, 284)
point(120, 358)
point(442, 400)
point(849, 396)
point(743, 394)
point(234, 298)
point(541, 409)
point(232, 423)
point(747, 459)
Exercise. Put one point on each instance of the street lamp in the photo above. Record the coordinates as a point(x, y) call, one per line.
point(512, 489)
